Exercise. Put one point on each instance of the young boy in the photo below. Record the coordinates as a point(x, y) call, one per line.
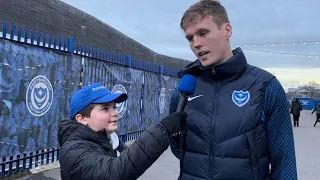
point(90, 149)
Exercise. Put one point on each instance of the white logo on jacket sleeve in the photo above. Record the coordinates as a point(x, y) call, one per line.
point(240, 98)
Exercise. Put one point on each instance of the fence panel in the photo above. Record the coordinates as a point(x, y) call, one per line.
point(35, 84)
point(118, 78)
point(151, 106)
point(168, 85)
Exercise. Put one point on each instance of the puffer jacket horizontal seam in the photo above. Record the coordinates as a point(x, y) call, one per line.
point(237, 136)
point(192, 152)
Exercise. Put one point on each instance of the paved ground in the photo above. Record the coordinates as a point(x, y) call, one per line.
point(308, 147)
point(167, 166)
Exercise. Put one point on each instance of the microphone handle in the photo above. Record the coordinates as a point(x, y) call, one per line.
point(181, 105)
point(182, 102)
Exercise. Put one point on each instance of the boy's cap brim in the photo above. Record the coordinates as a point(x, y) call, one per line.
point(117, 97)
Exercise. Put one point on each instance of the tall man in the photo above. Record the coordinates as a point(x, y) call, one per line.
point(238, 120)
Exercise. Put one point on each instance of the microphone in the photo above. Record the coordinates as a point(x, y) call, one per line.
point(187, 87)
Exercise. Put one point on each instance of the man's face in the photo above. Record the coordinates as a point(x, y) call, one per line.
point(104, 116)
point(209, 42)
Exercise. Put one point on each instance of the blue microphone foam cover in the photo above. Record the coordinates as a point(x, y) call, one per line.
point(188, 84)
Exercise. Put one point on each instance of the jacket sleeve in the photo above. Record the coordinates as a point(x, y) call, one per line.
point(279, 133)
point(175, 141)
point(88, 164)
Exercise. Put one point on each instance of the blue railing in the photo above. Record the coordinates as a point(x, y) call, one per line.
point(20, 163)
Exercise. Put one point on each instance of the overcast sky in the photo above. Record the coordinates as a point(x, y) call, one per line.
point(155, 24)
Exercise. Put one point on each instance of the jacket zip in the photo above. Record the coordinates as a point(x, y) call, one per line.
point(212, 128)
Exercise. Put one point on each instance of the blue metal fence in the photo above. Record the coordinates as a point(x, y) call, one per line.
point(22, 162)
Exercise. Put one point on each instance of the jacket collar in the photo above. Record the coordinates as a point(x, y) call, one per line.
point(231, 68)
point(70, 130)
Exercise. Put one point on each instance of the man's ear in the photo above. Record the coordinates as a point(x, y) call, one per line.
point(228, 30)
point(80, 119)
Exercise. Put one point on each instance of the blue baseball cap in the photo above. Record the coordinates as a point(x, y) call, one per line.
point(95, 93)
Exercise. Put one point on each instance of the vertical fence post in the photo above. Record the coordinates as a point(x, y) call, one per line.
point(161, 69)
point(59, 43)
point(19, 33)
point(30, 160)
point(3, 167)
point(4, 29)
point(54, 42)
point(44, 39)
point(24, 161)
point(64, 44)
point(32, 36)
point(47, 156)
point(52, 154)
point(49, 41)
point(85, 50)
point(58, 153)
point(42, 156)
point(37, 159)
point(70, 45)
point(11, 32)
point(10, 165)
point(128, 61)
point(38, 37)
point(81, 48)
point(18, 164)
point(26, 35)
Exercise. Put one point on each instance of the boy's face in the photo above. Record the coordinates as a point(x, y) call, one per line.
point(102, 116)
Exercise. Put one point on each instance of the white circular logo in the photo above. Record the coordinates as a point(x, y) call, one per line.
point(39, 96)
point(121, 107)
point(162, 99)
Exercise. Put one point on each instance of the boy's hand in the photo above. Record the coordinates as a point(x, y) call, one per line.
point(175, 123)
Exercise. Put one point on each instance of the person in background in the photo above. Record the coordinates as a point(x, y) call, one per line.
point(90, 148)
point(238, 120)
point(317, 110)
point(296, 107)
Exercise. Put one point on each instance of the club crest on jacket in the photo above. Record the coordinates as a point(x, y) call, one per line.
point(240, 98)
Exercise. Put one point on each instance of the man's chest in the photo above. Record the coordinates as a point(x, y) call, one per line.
point(221, 108)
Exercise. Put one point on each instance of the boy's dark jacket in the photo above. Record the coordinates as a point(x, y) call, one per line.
point(88, 155)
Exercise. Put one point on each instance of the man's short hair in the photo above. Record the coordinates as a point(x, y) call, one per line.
point(203, 9)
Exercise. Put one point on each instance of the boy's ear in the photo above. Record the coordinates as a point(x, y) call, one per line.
point(80, 119)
